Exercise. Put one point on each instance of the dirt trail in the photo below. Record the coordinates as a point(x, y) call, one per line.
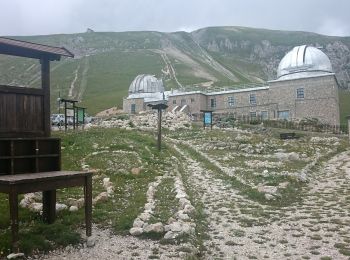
point(239, 228)
point(317, 226)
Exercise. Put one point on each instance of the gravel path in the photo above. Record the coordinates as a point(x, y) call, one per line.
point(316, 227)
point(238, 228)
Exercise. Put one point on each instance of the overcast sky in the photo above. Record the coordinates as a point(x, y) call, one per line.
point(33, 17)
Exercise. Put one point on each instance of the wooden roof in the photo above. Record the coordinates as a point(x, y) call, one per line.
point(32, 50)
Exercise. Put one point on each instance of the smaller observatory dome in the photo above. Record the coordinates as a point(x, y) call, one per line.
point(303, 61)
point(146, 84)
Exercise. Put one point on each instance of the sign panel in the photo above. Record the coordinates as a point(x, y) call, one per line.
point(70, 112)
point(207, 118)
point(81, 115)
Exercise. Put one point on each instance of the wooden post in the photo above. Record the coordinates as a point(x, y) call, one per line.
point(49, 206)
point(65, 115)
point(13, 201)
point(45, 85)
point(88, 204)
point(159, 128)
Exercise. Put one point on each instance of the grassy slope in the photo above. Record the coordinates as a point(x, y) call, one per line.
point(114, 59)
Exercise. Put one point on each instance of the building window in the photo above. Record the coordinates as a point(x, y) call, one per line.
point(252, 99)
point(264, 115)
point(252, 115)
point(283, 114)
point(183, 102)
point(174, 102)
point(231, 101)
point(192, 100)
point(300, 93)
point(133, 108)
point(212, 102)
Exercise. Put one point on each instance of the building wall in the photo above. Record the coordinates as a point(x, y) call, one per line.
point(241, 103)
point(320, 98)
point(139, 105)
point(195, 102)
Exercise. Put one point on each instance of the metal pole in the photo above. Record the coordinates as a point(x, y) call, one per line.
point(159, 128)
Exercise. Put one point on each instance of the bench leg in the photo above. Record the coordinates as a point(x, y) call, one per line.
point(88, 204)
point(49, 206)
point(13, 200)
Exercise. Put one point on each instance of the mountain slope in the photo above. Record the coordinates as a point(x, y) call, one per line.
point(105, 63)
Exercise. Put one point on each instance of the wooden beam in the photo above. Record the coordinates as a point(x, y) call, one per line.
point(45, 85)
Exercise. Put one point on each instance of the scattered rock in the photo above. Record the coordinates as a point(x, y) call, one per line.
point(73, 208)
point(138, 223)
point(136, 231)
point(15, 256)
point(60, 207)
point(136, 171)
point(157, 228)
point(91, 241)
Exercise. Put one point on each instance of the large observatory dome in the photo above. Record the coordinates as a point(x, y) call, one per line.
point(303, 61)
point(146, 84)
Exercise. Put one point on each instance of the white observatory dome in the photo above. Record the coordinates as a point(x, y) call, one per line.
point(146, 84)
point(303, 61)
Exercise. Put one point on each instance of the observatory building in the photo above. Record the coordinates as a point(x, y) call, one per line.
point(305, 87)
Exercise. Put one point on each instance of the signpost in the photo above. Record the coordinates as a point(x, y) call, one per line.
point(207, 118)
point(159, 107)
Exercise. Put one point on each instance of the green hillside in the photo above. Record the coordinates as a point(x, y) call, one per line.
point(105, 63)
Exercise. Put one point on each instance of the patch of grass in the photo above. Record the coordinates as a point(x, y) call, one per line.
point(166, 203)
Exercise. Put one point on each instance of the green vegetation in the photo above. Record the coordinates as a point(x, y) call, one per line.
point(120, 151)
point(222, 172)
point(107, 62)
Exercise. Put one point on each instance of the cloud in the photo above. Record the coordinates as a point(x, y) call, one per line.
point(334, 27)
point(28, 17)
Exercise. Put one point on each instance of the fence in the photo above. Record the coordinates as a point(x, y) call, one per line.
point(311, 125)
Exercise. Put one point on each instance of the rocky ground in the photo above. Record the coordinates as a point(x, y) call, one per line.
point(239, 194)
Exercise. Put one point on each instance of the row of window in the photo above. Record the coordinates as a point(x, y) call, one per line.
point(231, 99)
point(183, 101)
point(252, 99)
point(264, 115)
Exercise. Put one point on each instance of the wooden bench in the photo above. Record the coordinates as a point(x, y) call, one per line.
point(47, 182)
point(34, 164)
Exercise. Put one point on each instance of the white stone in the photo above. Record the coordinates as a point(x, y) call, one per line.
point(36, 207)
point(175, 227)
point(149, 206)
point(145, 216)
point(293, 156)
point(170, 235)
point(138, 223)
point(60, 206)
point(136, 231)
point(269, 196)
point(73, 208)
point(15, 256)
point(90, 242)
point(183, 217)
point(157, 228)
point(189, 209)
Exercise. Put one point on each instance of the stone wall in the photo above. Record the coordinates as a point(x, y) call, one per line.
point(139, 105)
point(320, 100)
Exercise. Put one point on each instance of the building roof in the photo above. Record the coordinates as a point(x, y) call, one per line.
point(303, 61)
point(32, 50)
point(146, 84)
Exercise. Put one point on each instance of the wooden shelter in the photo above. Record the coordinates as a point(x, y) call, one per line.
point(25, 112)
point(30, 160)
